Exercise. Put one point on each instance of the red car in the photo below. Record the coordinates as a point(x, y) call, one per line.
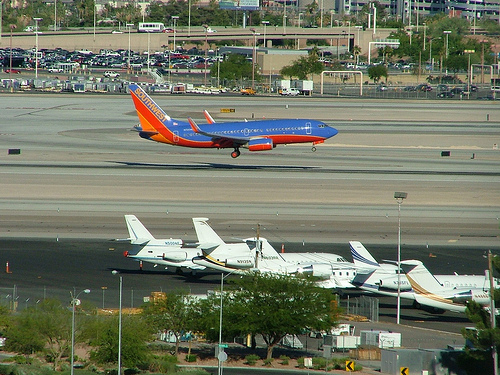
point(15, 71)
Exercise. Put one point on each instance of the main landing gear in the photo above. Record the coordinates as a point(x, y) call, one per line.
point(235, 153)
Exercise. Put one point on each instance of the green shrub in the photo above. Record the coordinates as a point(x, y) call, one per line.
point(319, 363)
point(191, 357)
point(285, 360)
point(300, 362)
point(251, 359)
point(268, 362)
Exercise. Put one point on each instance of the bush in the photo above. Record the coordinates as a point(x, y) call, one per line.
point(268, 362)
point(164, 364)
point(285, 360)
point(191, 357)
point(251, 359)
point(21, 360)
point(319, 363)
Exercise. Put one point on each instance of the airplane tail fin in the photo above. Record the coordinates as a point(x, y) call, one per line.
point(207, 237)
point(138, 233)
point(361, 256)
point(420, 278)
point(152, 118)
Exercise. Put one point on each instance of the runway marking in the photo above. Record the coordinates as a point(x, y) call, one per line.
point(36, 110)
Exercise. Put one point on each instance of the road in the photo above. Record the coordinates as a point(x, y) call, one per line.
point(80, 169)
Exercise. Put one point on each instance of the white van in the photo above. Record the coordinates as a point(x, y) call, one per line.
point(290, 91)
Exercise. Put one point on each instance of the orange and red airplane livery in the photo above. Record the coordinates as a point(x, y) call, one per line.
point(260, 135)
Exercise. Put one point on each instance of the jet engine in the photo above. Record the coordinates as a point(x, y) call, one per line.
point(260, 144)
point(480, 297)
point(175, 256)
point(322, 271)
point(240, 262)
point(392, 283)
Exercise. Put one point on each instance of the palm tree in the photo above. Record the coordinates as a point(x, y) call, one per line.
point(356, 50)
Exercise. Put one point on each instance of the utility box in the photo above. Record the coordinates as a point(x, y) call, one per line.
point(381, 339)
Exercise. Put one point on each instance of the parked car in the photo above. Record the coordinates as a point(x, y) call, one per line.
point(382, 87)
point(442, 87)
point(55, 70)
point(290, 92)
point(410, 88)
point(445, 94)
point(424, 87)
point(457, 90)
point(14, 71)
point(471, 88)
point(247, 91)
point(111, 74)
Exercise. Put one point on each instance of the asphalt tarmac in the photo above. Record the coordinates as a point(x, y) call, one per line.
point(80, 169)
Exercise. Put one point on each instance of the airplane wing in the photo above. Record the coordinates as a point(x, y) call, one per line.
point(237, 139)
point(208, 117)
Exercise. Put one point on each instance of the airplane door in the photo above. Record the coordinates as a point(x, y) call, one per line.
point(308, 128)
point(176, 136)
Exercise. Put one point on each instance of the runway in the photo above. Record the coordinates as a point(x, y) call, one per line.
point(81, 169)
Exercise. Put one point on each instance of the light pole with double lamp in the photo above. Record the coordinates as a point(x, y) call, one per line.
point(74, 301)
point(37, 19)
point(399, 196)
point(115, 272)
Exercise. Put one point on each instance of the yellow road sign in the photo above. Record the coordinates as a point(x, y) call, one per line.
point(404, 370)
point(349, 365)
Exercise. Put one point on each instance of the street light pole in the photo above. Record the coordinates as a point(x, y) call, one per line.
point(254, 55)
point(12, 27)
point(175, 18)
point(221, 355)
point(129, 26)
point(469, 71)
point(114, 272)
point(265, 23)
point(149, 42)
point(74, 301)
point(492, 311)
point(446, 32)
point(205, 26)
point(399, 196)
point(55, 15)
point(37, 19)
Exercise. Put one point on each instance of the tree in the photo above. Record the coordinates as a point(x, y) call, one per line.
point(376, 72)
point(304, 66)
point(234, 67)
point(173, 313)
point(483, 337)
point(272, 306)
point(48, 327)
point(102, 335)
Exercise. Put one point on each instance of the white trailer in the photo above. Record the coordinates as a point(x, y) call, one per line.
point(382, 339)
point(341, 342)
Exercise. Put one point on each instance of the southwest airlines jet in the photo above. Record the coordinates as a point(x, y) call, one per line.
point(262, 135)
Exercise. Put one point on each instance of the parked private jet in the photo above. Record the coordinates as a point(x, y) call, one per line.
point(257, 254)
point(435, 293)
point(164, 252)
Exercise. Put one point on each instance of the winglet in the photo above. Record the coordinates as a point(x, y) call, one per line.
point(208, 117)
point(194, 126)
